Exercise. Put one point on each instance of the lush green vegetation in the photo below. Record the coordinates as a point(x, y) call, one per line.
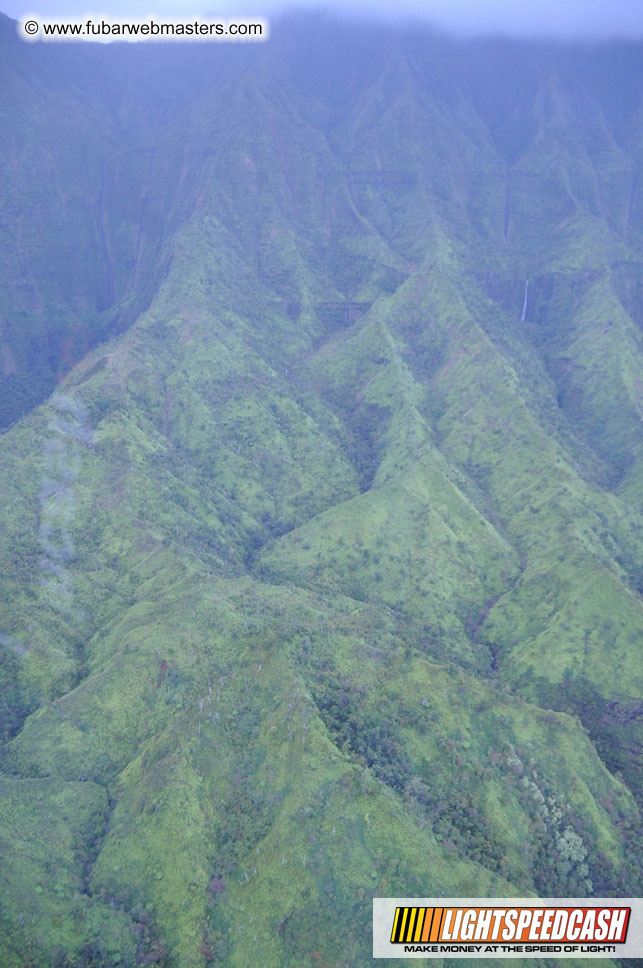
point(321, 572)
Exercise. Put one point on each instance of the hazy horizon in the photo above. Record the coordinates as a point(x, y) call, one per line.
point(595, 20)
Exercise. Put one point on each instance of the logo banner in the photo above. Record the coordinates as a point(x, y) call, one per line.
point(507, 927)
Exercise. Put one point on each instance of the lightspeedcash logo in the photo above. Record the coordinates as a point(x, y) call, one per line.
point(494, 928)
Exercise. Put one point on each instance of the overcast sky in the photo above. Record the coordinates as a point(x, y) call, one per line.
point(558, 18)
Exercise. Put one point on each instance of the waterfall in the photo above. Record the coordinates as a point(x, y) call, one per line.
point(524, 305)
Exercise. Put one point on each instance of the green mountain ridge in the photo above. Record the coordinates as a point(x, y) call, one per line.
point(322, 572)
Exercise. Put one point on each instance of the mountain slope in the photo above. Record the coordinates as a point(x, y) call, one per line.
point(322, 579)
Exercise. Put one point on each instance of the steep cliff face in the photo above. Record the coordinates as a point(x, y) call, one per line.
point(322, 574)
point(74, 263)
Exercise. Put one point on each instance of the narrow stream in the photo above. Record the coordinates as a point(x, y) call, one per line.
point(524, 305)
point(101, 236)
